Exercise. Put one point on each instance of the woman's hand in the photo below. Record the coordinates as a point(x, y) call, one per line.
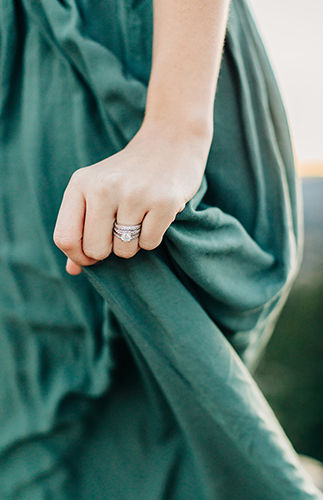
point(162, 167)
point(150, 181)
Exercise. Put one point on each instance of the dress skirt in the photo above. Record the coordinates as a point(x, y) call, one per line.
point(131, 381)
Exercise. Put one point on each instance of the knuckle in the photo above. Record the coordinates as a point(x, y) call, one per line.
point(148, 244)
point(64, 242)
point(81, 260)
point(131, 202)
point(96, 254)
point(125, 254)
point(166, 204)
point(107, 184)
point(78, 175)
point(102, 188)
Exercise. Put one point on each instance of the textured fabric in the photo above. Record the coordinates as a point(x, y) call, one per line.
point(124, 383)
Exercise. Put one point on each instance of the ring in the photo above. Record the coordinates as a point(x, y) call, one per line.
point(126, 233)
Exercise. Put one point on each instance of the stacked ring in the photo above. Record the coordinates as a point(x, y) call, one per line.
point(126, 233)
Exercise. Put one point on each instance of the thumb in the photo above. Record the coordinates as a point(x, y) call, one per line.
point(73, 268)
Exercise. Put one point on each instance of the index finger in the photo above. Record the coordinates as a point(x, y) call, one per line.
point(68, 233)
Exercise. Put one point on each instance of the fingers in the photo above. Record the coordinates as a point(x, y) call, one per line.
point(98, 227)
point(84, 228)
point(156, 216)
point(154, 227)
point(73, 268)
point(127, 217)
point(68, 233)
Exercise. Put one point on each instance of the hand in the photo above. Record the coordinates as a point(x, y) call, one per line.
point(150, 181)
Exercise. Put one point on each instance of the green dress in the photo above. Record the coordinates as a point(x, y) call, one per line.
point(129, 382)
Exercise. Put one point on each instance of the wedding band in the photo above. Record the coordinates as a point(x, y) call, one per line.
point(126, 233)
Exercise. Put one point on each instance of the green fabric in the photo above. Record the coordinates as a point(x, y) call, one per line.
point(124, 383)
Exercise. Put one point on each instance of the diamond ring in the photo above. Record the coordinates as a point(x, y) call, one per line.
point(126, 233)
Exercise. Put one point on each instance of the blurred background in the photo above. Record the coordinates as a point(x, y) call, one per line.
point(291, 371)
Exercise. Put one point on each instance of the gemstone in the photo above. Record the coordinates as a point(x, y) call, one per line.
point(126, 236)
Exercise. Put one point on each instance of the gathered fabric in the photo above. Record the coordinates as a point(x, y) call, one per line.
point(131, 381)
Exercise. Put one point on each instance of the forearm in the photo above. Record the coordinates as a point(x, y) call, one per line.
point(161, 168)
point(187, 49)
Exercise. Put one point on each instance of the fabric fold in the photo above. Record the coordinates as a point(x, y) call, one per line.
point(179, 417)
point(230, 429)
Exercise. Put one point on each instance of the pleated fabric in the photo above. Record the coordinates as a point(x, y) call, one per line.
point(130, 382)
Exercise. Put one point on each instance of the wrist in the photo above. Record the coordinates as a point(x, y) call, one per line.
point(180, 113)
point(195, 132)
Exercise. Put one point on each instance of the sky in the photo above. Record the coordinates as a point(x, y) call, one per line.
point(292, 31)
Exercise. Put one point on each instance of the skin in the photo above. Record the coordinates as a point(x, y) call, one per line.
point(161, 168)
